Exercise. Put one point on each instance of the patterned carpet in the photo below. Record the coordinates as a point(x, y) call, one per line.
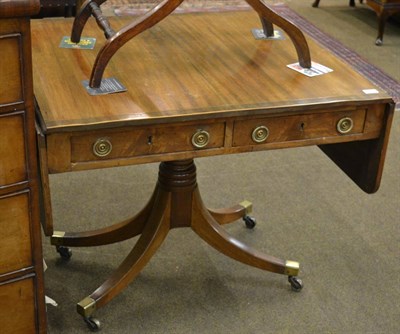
point(136, 7)
point(381, 79)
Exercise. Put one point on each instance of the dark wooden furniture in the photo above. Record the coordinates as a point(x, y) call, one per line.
point(116, 39)
point(22, 307)
point(197, 85)
point(382, 8)
point(54, 8)
point(352, 3)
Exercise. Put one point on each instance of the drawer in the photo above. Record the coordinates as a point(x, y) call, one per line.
point(17, 307)
point(12, 149)
point(11, 86)
point(298, 127)
point(15, 235)
point(146, 141)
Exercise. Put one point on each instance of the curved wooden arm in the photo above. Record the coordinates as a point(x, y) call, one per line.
point(112, 45)
point(158, 13)
point(295, 34)
point(81, 18)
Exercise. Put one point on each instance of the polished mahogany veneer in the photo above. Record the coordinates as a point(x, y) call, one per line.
point(197, 85)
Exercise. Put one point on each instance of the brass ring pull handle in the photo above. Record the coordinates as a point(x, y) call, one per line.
point(102, 147)
point(345, 125)
point(260, 134)
point(200, 138)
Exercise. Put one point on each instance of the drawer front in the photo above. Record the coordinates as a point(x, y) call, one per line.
point(12, 149)
point(11, 87)
point(146, 141)
point(17, 307)
point(298, 127)
point(15, 235)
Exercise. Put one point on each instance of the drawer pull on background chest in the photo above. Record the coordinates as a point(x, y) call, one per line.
point(345, 125)
point(200, 138)
point(102, 147)
point(260, 134)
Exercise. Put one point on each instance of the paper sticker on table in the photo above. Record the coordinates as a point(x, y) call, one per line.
point(316, 69)
point(259, 34)
point(371, 91)
point(85, 43)
point(107, 86)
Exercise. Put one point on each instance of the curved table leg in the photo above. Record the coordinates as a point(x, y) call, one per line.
point(113, 44)
point(108, 235)
point(352, 3)
point(176, 202)
point(382, 17)
point(210, 231)
point(229, 215)
point(295, 34)
point(154, 233)
point(316, 3)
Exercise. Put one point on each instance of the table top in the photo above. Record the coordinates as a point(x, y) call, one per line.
point(188, 67)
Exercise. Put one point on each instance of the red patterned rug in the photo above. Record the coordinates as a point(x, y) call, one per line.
point(381, 79)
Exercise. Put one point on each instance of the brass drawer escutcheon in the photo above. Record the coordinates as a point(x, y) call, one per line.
point(200, 138)
point(102, 147)
point(345, 125)
point(260, 134)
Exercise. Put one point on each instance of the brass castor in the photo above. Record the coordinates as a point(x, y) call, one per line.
point(249, 221)
point(296, 283)
point(92, 323)
point(64, 252)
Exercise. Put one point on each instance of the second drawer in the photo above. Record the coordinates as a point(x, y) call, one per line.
point(298, 127)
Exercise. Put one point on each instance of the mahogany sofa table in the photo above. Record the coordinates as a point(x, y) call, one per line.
point(197, 85)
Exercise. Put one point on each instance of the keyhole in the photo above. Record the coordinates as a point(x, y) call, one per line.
point(149, 140)
point(302, 126)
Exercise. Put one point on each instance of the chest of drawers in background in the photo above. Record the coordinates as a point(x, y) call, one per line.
point(22, 307)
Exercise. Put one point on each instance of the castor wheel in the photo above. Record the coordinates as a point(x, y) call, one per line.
point(92, 323)
point(296, 283)
point(249, 221)
point(64, 252)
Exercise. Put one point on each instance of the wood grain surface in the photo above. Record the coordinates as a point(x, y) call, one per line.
point(188, 67)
